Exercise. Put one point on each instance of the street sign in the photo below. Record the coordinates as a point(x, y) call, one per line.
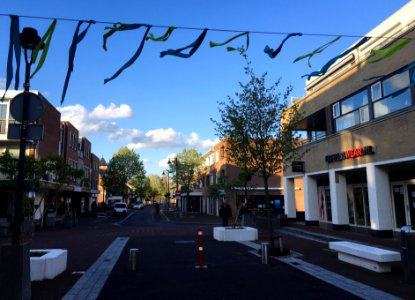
point(34, 132)
point(35, 107)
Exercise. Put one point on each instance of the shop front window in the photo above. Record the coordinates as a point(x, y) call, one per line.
point(358, 206)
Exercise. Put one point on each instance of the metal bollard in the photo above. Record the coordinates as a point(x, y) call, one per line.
point(133, 259)
point(264, 253)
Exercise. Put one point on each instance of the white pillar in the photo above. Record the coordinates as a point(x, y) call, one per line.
point(338, 196)
point(380, 203)
point(310, 199)
point(289, 198)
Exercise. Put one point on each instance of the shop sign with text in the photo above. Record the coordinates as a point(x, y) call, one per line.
point(353, 153)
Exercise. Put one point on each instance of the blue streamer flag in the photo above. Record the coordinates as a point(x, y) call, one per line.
point(136, 54)
point(194, 46)
point(14, 45)
point(324, 69)
point(77, 38)
point(273, 53)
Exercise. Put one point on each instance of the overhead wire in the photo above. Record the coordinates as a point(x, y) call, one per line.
point(198, 28)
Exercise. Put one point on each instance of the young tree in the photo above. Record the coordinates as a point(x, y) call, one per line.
point(122, 168)
point(258, 130)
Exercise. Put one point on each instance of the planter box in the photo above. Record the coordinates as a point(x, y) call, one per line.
point(229, 234)
point(49, 265)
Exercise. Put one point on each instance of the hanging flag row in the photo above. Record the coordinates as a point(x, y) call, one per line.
point(183, 52)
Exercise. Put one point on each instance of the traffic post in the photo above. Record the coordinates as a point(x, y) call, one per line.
point(200, 257)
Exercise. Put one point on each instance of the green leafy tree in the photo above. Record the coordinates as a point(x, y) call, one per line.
point(188, 166)
point(157, 185)
point(258, 129)
point(124, 167)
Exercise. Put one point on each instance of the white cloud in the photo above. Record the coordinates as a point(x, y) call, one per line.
point(96, 122)
point(111, 112)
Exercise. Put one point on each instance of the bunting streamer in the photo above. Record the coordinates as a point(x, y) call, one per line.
point(162, 38)
point(46, 39)
point(318, 50)
point(324, 69)
point(271, 53)
point(77, 38)
point(118, 27)
point(14, 45)
point(132, 59)
point(389, 51)
point(194, 46)
point(240, 49)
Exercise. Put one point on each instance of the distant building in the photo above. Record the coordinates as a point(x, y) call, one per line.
point(58, 139)
point(217, 168)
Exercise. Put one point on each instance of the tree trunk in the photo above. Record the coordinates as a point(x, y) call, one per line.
point(269, 214)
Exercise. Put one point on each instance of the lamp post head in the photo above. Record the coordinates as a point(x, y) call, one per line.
point(29, 39)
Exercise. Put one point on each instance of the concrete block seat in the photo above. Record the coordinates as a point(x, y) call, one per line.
point(49, 265)
point(230, 234)
point(369, 257)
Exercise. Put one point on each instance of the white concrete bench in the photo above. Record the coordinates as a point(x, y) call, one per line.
point(371, 258)
point(228, 234)
point(49, 265)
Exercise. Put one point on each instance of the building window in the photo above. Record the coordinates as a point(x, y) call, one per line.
point(396, 95)
point(351, 111)
point(3, 121)
point(376, 91)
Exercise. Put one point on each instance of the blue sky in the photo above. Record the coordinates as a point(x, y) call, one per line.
point(160, 106)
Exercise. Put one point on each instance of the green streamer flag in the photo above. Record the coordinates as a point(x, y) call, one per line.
point(389, 51)
point(325, 68)
point(239, 49)
point(46, 39)
point(162, 38)
point(318, 50)
point(118, 27)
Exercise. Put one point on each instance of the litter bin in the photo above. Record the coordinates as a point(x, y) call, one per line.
point(408, 253)
point(133, 259)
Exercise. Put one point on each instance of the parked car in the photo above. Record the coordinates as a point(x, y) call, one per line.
point(138, 205)
point(120, 208)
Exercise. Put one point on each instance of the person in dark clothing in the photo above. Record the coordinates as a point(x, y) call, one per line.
point(157, 207)
point(225, 212)
point(244, 212)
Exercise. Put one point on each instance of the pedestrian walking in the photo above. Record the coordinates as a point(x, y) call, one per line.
point(157, 207)
point(244, 212)
point(225, 212)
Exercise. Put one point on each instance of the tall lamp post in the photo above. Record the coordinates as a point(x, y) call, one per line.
point(14, 258)
point(166, 172)
point(176, 168)
point(29, 39)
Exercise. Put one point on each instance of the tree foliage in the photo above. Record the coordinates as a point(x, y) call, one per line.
point(124, 167)
point(257, 128)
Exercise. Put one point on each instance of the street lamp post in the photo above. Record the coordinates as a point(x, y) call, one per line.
point(176, 168)
point(168, 188)
point(14, 258)
point(29, 39)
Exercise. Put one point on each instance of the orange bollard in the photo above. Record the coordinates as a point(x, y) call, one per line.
point(200, 257)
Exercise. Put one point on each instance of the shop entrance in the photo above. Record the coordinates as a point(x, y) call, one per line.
point(403, 195)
